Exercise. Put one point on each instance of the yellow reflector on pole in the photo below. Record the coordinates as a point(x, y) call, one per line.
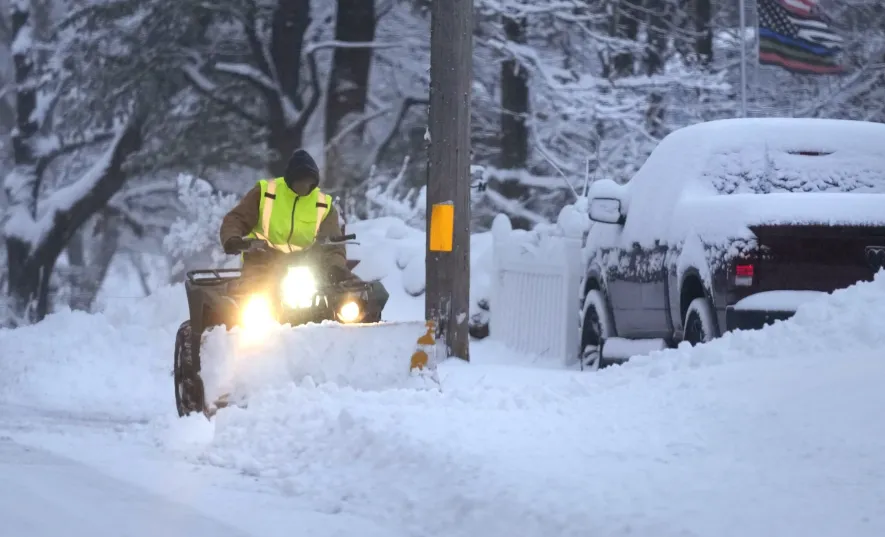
point(442, 227)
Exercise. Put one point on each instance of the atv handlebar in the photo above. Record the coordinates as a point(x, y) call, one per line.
point(255, 245)
point(260, 245)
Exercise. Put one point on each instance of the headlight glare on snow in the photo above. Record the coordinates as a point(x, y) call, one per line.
point(257, 316)
point(298, 287)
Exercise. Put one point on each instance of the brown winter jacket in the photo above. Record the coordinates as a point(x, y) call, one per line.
point(242, 218)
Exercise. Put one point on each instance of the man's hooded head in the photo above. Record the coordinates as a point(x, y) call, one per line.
point(302, 173)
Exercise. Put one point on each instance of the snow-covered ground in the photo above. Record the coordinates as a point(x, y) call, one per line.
point(769, 433)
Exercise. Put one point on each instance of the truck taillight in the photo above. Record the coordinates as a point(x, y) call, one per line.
point(743, 275)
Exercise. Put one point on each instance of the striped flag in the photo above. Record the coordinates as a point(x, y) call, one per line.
point(795, 35)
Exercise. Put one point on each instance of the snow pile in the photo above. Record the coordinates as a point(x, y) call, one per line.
point(840, 325)
point(369, 357)
point(778, 429)
point(116, 363)
point(573, 221)
point(391, 251)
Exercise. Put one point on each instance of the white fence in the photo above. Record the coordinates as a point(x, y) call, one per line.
point(535, 291)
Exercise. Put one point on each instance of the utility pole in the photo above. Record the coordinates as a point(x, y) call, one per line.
point(447, 294)
point(742, 8)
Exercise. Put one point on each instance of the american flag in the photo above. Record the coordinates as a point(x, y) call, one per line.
point(795, 35)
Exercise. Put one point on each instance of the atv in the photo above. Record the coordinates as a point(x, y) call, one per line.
point(288, 288)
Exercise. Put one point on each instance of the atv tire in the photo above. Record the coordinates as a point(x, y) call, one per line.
point(189, 395)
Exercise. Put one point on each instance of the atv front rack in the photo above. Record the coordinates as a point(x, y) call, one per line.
point(218, 276)
point(213, 276)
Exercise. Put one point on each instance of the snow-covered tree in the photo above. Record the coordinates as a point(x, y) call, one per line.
point(42, 214)
point(94, 111)
point(193, 236)
point(104, 103)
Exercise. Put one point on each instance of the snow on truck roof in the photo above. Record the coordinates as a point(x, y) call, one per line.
point(785, 134)
point(682, 187)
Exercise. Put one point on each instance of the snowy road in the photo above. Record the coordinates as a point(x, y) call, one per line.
point(44, 494)
point(89, 477)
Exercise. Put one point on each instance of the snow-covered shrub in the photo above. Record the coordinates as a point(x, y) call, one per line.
point(193, 237)
point(414, 280)
point(573, 221)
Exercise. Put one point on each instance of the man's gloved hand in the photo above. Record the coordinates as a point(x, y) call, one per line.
point(340, 274)
point(235, 245)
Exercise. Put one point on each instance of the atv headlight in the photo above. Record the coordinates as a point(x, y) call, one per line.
point(298, 288)
point(349, 312)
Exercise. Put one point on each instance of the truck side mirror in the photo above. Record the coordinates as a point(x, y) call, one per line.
point(606, 211)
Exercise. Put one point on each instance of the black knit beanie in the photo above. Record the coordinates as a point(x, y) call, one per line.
point(301, 165)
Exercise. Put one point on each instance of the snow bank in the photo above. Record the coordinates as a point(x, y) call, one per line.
point(767, 432)
point(116, 363)
point(845, 323)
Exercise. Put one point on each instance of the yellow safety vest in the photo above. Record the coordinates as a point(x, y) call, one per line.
point(286, 221)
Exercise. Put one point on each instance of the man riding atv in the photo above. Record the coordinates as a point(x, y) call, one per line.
point(294, 272)
point(289, 213)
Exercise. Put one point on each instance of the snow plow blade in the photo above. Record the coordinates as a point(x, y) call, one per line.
point(369, 357)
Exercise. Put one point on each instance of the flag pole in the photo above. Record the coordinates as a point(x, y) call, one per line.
point(743, 41)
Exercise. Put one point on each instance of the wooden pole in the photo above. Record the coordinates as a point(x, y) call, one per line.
point(447, 294)
point(742, 8)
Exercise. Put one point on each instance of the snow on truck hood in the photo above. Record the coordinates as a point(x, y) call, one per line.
point(730, 216)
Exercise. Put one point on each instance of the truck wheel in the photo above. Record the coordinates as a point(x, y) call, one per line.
point(700, 324)
point(595, 328)
point(189, 395)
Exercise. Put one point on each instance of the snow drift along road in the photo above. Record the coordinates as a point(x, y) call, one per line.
point(116, 363)
point(769, 433)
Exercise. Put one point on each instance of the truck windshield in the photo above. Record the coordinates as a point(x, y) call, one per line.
point(763, 172)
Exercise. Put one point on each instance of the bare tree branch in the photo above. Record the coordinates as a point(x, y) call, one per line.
point(406, 104)
point(210, 90)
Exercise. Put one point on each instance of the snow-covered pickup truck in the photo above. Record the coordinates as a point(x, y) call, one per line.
point(730, 224)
